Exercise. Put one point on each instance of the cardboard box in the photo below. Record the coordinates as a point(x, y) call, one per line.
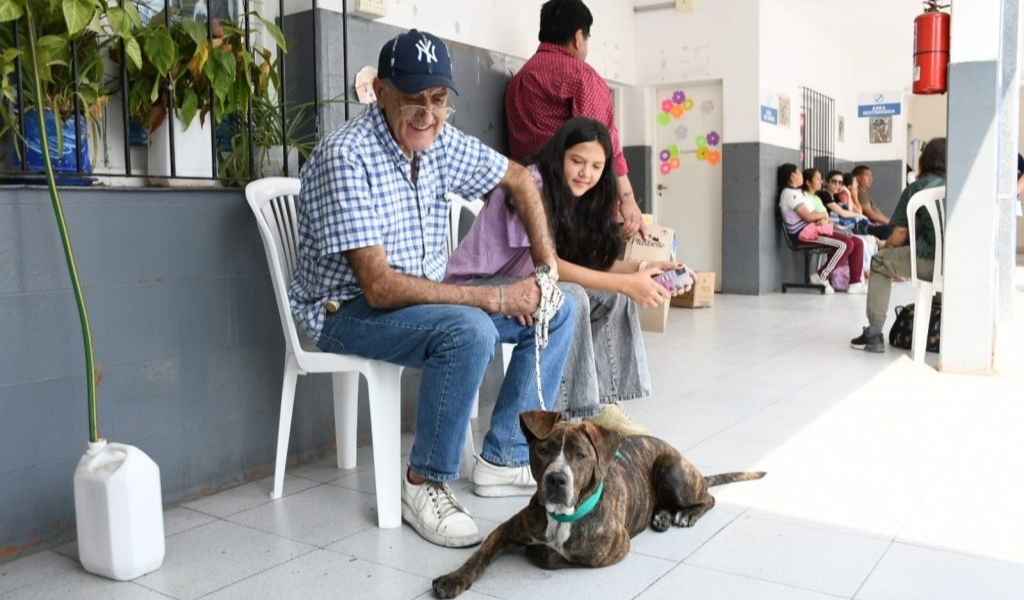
point(659, 245)
point(701, 295)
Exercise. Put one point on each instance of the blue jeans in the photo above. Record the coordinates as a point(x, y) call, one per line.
point(453, 346)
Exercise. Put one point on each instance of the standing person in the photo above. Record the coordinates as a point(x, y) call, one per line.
point(864, 177)
point(607, 362)
point(556, 84)
point(801, 207)
point(373, 219)
point(894, 260)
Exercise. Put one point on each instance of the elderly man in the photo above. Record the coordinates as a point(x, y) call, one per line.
point(372, 220)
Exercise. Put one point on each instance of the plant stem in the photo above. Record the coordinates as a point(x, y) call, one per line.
point(58, 211)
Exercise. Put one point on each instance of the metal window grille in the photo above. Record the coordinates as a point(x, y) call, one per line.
point(817, 131)
point(13, 158)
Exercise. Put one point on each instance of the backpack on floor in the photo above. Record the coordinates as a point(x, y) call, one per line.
point(901, 335)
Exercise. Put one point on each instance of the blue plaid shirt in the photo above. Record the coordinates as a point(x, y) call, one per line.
point(357, 192)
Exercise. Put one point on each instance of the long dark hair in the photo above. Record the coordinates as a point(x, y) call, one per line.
point(808, 176)
point(933, 158)
point(584, 230)
point(783, 174)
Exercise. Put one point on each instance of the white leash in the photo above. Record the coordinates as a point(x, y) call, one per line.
point(551, 299)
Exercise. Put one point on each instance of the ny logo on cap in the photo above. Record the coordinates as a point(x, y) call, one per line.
point(425, 48)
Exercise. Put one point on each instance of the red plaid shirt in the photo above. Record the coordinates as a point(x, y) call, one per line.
point(552, 87)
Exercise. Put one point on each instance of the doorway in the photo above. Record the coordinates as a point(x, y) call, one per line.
point(688, 171)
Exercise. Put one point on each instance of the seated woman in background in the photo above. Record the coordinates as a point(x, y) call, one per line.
point(843, 212)
point(801, 207)
point(607, 362)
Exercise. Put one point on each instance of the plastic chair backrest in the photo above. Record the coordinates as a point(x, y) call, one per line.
point(272, 201)
point(458, 203)
point(932, 199)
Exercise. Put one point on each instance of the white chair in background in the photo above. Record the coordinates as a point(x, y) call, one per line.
point(272, 200)
point(932, 199)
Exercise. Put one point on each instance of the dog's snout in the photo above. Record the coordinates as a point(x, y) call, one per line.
point(557, 481)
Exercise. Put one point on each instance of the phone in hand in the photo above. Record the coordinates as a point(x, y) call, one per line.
point(676, 279)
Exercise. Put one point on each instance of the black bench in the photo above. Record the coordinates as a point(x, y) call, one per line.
point(811, 253)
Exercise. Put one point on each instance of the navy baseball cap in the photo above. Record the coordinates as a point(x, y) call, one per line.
point(415, 61)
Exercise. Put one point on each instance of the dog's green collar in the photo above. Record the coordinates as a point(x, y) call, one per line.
point(583, 509)
point(587, 506)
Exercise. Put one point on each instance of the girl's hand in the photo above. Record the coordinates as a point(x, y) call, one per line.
point(643, 289)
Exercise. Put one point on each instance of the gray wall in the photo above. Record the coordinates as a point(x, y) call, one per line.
point(186, 335)
point(755, 259)
point(480, 74)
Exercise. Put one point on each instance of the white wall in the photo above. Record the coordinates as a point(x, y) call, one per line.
point(719, 40)
point(798, 50)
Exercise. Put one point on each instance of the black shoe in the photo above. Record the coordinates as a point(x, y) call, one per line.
point(867, 342)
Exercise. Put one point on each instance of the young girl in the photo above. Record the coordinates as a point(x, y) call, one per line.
point(607, 362)
point(800, 207)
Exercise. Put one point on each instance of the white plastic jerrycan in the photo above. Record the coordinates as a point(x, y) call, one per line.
point(119, 509)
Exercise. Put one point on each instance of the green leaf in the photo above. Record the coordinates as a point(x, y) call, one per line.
point(220, 68)
point(154, 95)
point(77, 14)
point(119, 21)
point(133, 52)
point(189, 106)
point(161, 51)
point(133, 13)
point(275, 32)
point(10, 11)
point(196, 31)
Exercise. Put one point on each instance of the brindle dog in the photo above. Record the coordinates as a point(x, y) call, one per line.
point(637, 481)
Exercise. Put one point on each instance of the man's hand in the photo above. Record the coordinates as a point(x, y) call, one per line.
point(632, 219)
point(522, 300)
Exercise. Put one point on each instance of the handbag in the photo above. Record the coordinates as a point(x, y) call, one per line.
point(812, 231)
point(901, 335)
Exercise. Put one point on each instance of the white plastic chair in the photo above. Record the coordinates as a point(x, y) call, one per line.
point(273, 202)
point(455, 220)
point(932, 199)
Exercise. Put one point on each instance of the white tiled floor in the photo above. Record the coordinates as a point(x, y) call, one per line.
point(886, 480)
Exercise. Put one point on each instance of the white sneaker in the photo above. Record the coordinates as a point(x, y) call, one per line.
point(857, 288)
point(434, 512)
point(494, 481)
point(817, 280)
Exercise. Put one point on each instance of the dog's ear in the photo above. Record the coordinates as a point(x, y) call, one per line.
point(605, 442)
point(537, 424)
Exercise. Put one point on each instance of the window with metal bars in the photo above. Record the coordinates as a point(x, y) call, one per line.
point(817, 131)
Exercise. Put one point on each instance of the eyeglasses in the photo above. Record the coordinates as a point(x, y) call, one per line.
point(835, 180)
point(416, 111)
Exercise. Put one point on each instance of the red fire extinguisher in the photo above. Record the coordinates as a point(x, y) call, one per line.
point(931, 49)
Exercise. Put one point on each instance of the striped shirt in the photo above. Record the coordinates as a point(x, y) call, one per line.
point(358, 192)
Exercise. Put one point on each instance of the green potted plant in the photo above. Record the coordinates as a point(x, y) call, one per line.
point(272, 128)
point(206, 71)
point(72, 38)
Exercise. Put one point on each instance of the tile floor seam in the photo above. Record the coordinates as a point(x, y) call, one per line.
point(770, 581)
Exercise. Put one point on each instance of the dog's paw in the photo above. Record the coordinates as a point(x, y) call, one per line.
point(449, 586)
point(685, 518)
point(661, 521)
